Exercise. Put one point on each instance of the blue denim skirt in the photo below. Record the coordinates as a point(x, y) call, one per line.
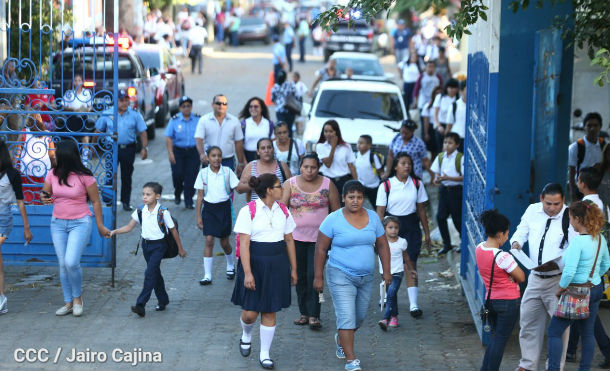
point(6, 220)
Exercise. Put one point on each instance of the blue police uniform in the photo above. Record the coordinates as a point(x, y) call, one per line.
point(131, 124)
point(184, 172)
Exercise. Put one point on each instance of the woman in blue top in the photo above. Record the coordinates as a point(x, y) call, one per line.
point(585, 259)
point(353, 233)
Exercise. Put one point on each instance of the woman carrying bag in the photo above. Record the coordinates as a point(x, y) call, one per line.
point(580, 287)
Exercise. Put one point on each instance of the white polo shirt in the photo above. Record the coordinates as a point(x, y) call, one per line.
point(254, 132)
point(593, 154)
point(364, 169)
point(216, 188)
point(448, 168)
point(267, 225)
point(343, 156)
point(150, 227)
point(459, 119)
point(403, 197)
point(222, 135)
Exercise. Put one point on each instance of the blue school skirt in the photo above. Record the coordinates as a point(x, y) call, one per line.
point(217, 219)
point(271, 270)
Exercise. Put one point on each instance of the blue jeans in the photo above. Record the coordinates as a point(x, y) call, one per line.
point(603, 342)
point(585, 327)
point(391, 305)
point(503, 315)
point(351, 297)
point(153, 280)
point(70, 238)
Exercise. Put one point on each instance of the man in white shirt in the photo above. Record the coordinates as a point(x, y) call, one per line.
point(288, 41)
point(196, 40)
point(585, 152)
point(219, 128)
point(543, 227)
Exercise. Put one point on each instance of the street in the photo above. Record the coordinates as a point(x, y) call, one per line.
point(200, 328)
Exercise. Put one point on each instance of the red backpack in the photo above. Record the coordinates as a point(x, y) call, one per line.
point(252, 208)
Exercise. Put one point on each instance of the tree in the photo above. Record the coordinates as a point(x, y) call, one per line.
point(586, 28)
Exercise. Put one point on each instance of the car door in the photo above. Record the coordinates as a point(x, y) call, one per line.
point(170, 75)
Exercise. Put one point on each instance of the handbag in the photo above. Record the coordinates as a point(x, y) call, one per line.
point(574, 301)
point(484, 312)
point(293, 104)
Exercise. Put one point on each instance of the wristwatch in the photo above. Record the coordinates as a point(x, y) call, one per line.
point(145, 148)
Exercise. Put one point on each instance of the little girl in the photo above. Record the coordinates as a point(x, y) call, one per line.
point(398, 258)
point(214, 186)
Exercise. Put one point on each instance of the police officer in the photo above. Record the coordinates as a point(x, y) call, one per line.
point(130, 125)
point(182, 151)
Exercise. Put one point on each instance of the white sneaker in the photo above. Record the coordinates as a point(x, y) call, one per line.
point(77, 310)
point(3, 306)
point(63, 311)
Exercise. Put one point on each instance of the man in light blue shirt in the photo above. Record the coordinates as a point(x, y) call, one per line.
point(279, 54)
point(182, 151)
point(288, 41)
point(130, 125)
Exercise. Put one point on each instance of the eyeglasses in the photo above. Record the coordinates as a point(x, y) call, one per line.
point(255, 106)
point(221, 103)
point(277, 186)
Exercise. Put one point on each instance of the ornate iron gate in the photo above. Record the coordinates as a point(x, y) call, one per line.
point(58, 77)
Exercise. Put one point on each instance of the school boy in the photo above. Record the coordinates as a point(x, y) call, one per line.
point(153, 245)
point(448, 173)
point(369, 166)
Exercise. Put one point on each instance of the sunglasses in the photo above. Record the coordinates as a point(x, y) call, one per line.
point(221, 103)
point(255, 106)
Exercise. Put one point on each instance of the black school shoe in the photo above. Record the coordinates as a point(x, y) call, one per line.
point(160, 308)
point(205, 281)
point(444, 251)
point(244, 351)
point(267, 364)
point(231, 274)
point(416, 313)
point(139, 310)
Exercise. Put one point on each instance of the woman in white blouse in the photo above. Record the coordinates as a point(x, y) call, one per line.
point(336, 155)
point(403, 195)
point(255, 124)
point(78, 99)
point(267, 263)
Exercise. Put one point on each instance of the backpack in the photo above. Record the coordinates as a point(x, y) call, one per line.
point(387, 186)
point(580, 156)
point(379, 156)
point(172, 246)
point(252, 208)
point(243, 127)
point(458, 161)
point(565, 225)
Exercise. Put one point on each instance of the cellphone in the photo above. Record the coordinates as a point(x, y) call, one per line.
point(46, 194)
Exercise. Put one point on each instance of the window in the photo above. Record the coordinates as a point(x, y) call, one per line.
point(366, 67)
point(360, 104)
point(86, 65)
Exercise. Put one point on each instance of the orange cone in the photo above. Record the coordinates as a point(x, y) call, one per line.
point(270, 84)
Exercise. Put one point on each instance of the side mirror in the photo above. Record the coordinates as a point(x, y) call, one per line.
point(153, 71)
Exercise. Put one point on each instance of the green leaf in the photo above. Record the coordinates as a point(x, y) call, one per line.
point(483, 15)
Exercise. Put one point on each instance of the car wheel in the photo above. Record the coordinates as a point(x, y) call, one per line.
point(150, 129)
point(267, 40)
point(162, 117)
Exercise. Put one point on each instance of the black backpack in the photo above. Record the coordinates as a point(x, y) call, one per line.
point(171, 250)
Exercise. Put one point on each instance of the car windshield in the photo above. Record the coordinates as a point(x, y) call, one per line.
point(150, 58)
point(360, 104)
point(366, 67)
point(252, 22)
point(86, 64)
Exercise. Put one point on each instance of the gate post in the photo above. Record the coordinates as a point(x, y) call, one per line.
point(500, 167)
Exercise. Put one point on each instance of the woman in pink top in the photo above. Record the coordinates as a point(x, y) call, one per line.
point(505, 298)
point(308, 196)
point(70, 183)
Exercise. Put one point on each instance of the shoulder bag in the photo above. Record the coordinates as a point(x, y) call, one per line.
point(484, 312)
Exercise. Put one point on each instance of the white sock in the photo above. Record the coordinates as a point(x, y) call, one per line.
point(267, 333)
point(246, 334)
point(207, 267)
point(412, 292)
point(230, 265)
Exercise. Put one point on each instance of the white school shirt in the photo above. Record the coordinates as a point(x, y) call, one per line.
point(254, 132)
point(410, 71)
point(223, 136)
point(598, 201)
point(343, 156)
point(267, 225)
point(396, 261)
point(150, 227)
point(216, 190)
point(445, 106)
point(364, 169)
point(300, 89)
point(459, 119)
point(593, 155)
point(403, 197)
point(531, 228)
point(448, 168)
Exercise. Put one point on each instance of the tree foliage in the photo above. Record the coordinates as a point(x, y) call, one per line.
point(588, 27)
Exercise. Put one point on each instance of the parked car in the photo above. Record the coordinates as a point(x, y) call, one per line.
point(94, 61)
point(356, 36)
point(360, 107)
point(253, 29)
point(167, 79)
point(365, 65)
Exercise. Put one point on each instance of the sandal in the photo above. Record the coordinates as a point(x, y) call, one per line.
point(314, 323)
point(301, 321)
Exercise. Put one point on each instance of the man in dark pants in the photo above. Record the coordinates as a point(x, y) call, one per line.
point(288, 41)
point(182, 151)
point(130, 125)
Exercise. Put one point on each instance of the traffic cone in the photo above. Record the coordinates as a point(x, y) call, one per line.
point(270, 84)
